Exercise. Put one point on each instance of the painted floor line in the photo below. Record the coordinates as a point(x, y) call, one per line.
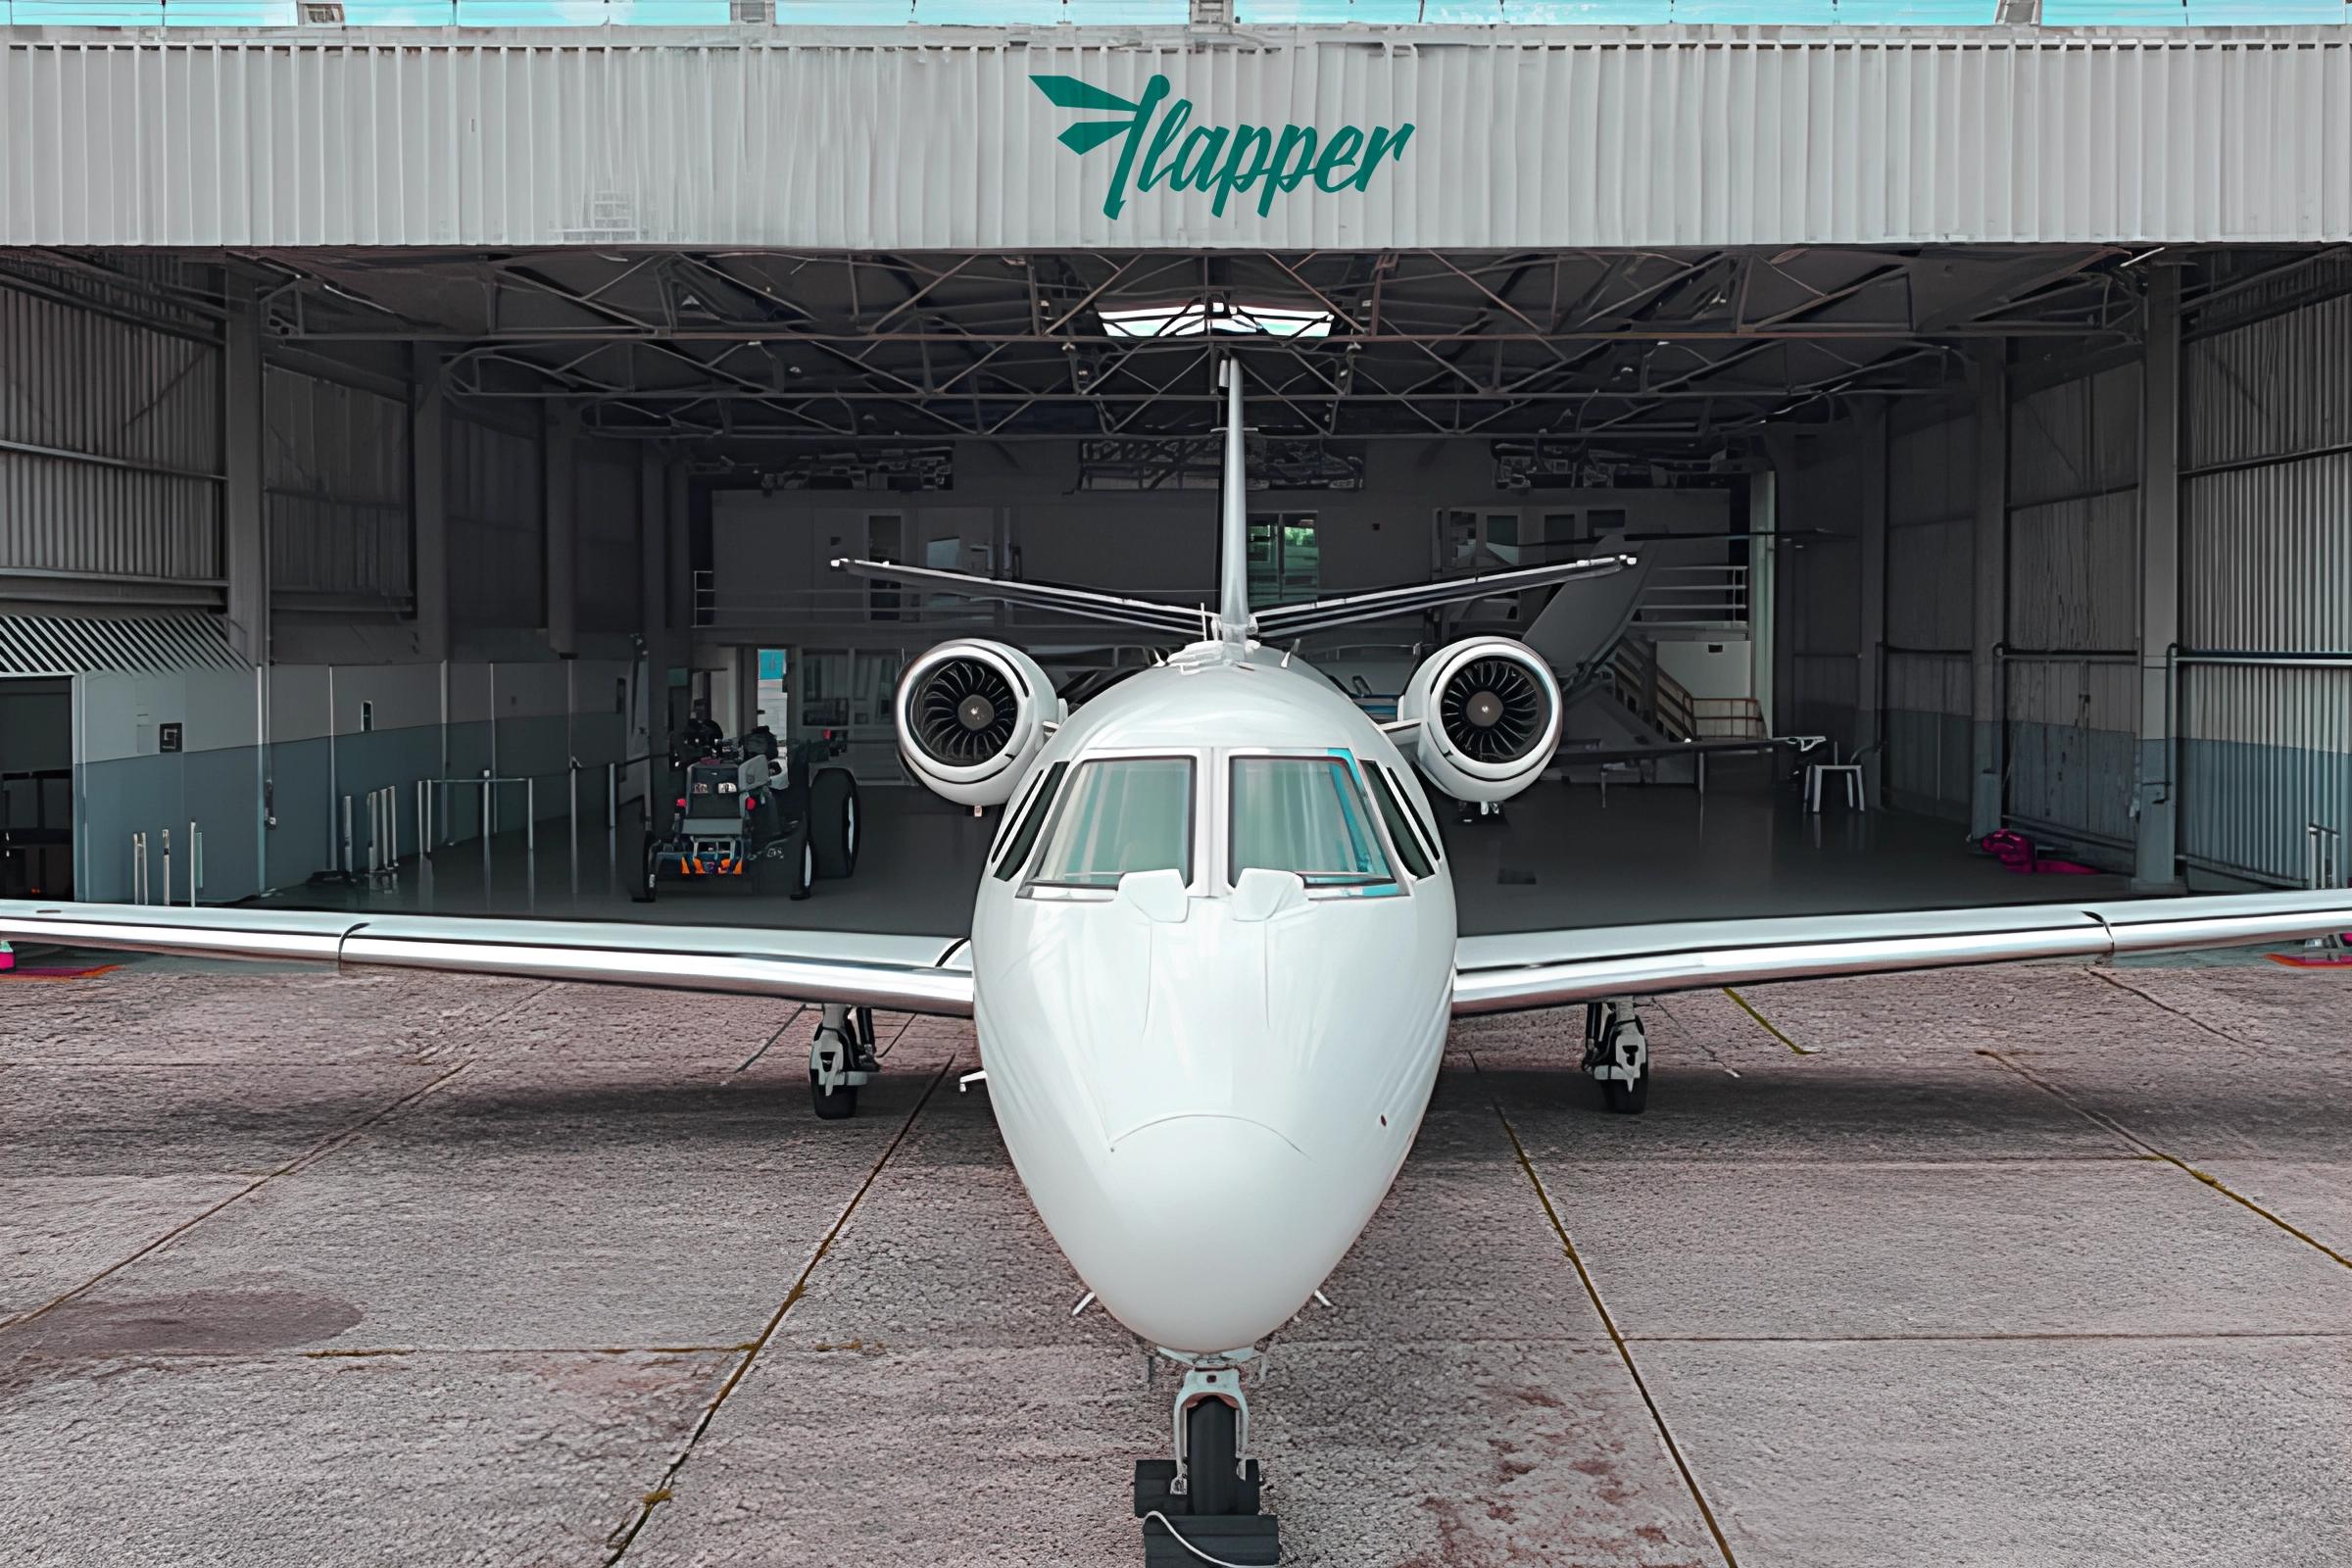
point(662, 1490)
point(1770, 1027)
point(1625, 1355)
point(2102, 1119)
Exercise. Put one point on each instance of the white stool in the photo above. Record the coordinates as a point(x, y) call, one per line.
point(1849, 772)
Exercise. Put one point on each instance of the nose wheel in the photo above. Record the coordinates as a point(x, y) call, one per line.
point(841, 1060)
point(1617, 1055)
point(1203, 1505)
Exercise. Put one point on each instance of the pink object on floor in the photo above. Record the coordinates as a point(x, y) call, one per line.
point(2017, 852)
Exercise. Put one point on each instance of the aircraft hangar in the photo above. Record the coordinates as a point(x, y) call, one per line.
point(406, 433)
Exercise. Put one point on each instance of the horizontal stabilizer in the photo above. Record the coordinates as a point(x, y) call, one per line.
point(1172, 619)
point(1282, 623)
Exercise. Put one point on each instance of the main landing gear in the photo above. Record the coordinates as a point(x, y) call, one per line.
point(1203, 1505)
point(841, 1058)
point(1617, 1054)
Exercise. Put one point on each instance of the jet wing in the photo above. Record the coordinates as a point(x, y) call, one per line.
point(905, 974)
point(1548, 968)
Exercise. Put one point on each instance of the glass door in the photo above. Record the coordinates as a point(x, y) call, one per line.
point(1286, 563)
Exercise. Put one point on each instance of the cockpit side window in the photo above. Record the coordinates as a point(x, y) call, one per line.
point(1402, 830)
point(1304, 814)
point(1121, 814)
point(1041, 801)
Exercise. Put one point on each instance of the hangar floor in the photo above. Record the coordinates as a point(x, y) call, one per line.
point(2010, 1267)
point(1562, 856)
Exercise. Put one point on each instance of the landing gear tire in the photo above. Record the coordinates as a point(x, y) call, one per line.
point(845, 1039)
point(1624, 1099)
point(802, 857)
point(648, 883)
point(1615, 1044)
point(1212, 1458)
point(832, 1105)
point(833, 822)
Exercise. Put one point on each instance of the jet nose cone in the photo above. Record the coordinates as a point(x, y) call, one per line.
point(1238, 1238)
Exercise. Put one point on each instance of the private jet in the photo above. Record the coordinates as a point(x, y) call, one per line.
point(1214, 954)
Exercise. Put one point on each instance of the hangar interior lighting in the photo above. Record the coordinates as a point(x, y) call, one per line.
point(1217, 318)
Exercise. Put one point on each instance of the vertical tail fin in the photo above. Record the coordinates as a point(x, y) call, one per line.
point(1232, 522)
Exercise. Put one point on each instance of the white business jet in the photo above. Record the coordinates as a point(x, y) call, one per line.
point(1214, 956)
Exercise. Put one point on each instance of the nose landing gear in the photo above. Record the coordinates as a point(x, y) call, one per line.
point(1617, 1054)
point(841, 1057)
point(1203, 1505)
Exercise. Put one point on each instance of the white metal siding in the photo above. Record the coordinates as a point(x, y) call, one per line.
point(1821, 595)
point(110, 444)
point(497, 570)
point(1931, 555)
point(2266, 567)
point(2071, 744)
point(335, 466)
point(608, 563)
point(938, 140)
point(2073, 574)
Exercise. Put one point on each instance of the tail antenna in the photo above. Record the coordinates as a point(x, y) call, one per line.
point(1233, 523)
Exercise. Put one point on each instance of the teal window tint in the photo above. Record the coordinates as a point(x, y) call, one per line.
point(1402, 832)
point(1429, 833)
point(1121, 814)
point(1303, 815)
point(1041, 801)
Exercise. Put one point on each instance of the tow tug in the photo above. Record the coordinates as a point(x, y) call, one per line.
point(749, 802)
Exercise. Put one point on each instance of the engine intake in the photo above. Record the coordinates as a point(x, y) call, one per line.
point(1488, 712)
point(970, 714)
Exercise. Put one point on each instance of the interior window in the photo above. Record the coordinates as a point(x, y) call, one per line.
point(1401, 831)
point(1041, 801)
point(1121, 814)
point(1303, 815)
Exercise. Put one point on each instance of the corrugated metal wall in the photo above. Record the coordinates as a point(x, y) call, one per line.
point(497, 547)
point(335, 471)
point(110, 443)
point(607, 565)
point(2266, 570)
point(1821, 575)
point(2072, 626)
point(938, 140)
point(1931, 555)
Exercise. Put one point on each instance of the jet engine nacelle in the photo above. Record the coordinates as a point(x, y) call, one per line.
point(970, 714)
point(1488, 715)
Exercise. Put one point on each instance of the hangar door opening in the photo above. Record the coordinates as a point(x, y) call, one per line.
point(36, 789)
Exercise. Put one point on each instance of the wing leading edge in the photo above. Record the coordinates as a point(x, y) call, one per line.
point(905, 974)
point(1550, 969)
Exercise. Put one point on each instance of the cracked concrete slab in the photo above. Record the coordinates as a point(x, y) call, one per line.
point(580, 1205)
point(484, 1327)
point(126, 1453)
point(2093, 1453)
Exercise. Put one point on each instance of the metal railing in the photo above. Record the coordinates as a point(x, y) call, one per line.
point(1700, 597)
point(141, 882)
point(1728, 717)
point(1654, 697)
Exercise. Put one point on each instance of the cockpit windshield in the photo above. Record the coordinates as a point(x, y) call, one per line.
point(1304, 814)
point(1121, 814)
